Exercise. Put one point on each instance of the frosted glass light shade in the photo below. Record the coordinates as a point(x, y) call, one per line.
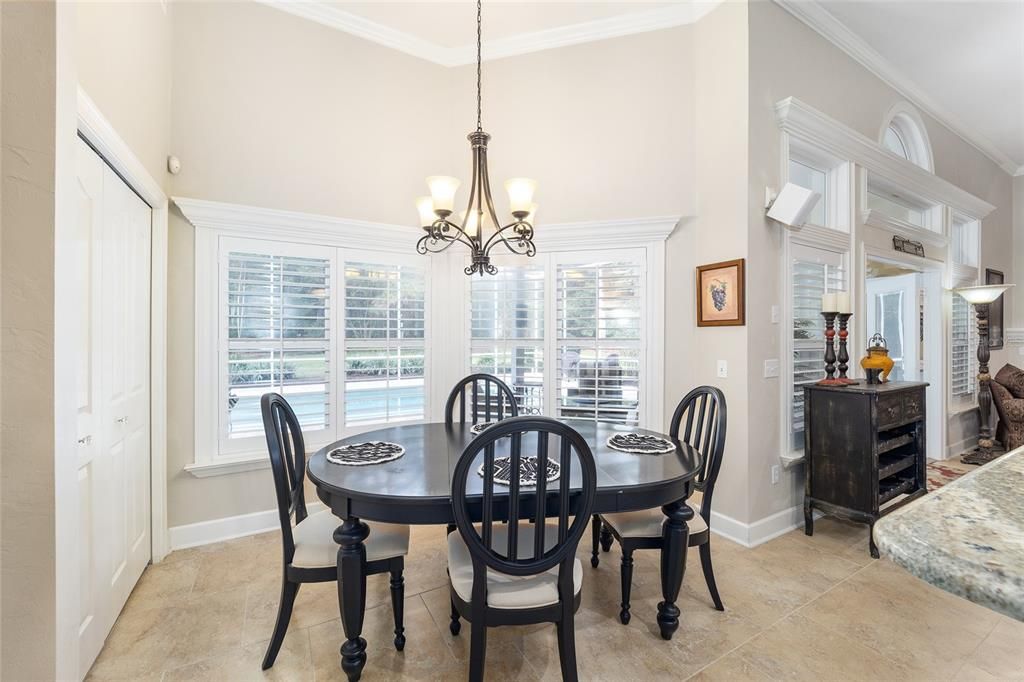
point(520, 194)
point(425, 207)
point(442, 191)
point(988, 293)
point(531, 217)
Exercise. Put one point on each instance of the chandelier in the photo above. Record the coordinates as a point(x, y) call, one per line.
point(480, 218)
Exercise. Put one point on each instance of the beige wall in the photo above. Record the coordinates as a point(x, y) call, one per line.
point(326, 123)
point(789, 59)
point(27, 428)
point(123, 59)
point(1018, 256)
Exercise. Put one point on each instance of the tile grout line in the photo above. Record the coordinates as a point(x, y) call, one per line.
point(777, 621)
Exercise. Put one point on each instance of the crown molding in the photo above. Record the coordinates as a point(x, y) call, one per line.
point(807, 123)
point(274, 224)
point(815, 15)
point(535, 41)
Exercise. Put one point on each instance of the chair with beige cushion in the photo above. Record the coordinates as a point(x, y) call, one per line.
point(705, 413)
point(1008, 396)
point(310, 552)
point(525, 570)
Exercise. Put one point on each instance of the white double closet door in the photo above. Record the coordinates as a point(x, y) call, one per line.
point(113, 247)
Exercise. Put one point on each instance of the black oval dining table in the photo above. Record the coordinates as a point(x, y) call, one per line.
point(416, 489)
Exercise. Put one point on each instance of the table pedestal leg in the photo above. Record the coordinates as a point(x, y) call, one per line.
point(675, 536)
point(352, 593)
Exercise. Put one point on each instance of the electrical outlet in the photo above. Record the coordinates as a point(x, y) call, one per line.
point(723, 369)
point(776, 473)
point(771, 369)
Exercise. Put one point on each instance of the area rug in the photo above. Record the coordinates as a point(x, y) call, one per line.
point(946, 471)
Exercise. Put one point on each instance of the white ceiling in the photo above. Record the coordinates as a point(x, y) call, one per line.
point(962, 62)
point(453, 24)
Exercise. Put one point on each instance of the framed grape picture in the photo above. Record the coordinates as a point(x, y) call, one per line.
point(721, 294)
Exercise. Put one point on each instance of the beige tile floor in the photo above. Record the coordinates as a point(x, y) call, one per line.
point(797, 608)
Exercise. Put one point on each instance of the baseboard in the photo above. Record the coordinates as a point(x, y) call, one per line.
point(759, 532)
point(230, 527)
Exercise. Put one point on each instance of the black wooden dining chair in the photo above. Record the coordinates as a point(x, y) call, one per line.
point(485, 397)
point(520, 573)
point(705, 411)
point(310, 552)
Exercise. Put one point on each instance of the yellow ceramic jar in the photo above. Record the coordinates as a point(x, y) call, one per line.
point(877, 364)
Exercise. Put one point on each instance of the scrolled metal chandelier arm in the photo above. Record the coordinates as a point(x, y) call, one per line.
point(436, 233)
point(521, 244)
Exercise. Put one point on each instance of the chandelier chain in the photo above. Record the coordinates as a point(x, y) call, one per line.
point(479, 39)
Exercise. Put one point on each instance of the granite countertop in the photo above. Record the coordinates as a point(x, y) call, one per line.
point(967, 537)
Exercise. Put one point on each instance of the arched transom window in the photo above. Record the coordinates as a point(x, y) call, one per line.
point(904, 134)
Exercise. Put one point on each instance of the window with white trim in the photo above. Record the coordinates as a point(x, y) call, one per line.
point(278, 338)
point(813, 271)
point(963, 350)
point(384, 343)
point(599, 336)
point(964, 242)
point(905, 136)
point(587, 311)
point(507, 331)
point(827, 175)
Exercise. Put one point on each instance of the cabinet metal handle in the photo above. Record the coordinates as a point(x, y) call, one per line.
point(85, 440)
point(123, 420)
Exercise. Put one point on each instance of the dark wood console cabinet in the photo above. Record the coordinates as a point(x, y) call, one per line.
point(864, 447)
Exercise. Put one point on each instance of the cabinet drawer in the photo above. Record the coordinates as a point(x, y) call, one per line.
point(890, 410)
point(913, 405)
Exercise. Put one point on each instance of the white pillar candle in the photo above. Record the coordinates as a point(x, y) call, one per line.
point(843, 302)
point(828, 303)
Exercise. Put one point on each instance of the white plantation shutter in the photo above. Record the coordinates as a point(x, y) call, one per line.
point(963, 349)
point(278, 338)
point(599, 342)
point(507, 331)
point(384, 343)
point(814, 273)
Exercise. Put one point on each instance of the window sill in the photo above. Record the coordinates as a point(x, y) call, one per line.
point(791, 459)
point(225, 466)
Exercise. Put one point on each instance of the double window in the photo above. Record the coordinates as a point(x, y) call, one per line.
point(586, 313)
point(341, 334)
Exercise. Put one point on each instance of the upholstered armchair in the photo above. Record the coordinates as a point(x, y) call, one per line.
point(1008, 396)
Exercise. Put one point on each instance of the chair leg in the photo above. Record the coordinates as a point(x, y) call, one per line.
point(606, 538)
point(595, 526)
point(477, 650)
point(709, 575)
point(567, 648)
point(398, 606)
point(455, 626)
point(627, 584)
point(284, 614)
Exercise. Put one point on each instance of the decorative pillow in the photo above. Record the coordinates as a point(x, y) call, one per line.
point(1013, 379)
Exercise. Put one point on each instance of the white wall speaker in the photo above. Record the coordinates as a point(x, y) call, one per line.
point(793, 205)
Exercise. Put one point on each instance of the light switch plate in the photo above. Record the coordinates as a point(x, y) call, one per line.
point(771, 369)
point(775, 314)
point(723, 369)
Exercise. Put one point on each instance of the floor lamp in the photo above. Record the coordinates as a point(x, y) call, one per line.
point(981, 298)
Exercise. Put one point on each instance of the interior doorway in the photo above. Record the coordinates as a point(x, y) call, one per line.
point(904, 305)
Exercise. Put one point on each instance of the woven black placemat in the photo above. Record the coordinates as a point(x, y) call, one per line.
point(527, 470)
point(362, 454)
point(640, 444)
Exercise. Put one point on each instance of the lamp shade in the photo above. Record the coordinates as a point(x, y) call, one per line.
point(425, 207)
point(988, 293)
point(442, 191)
point(520, 194)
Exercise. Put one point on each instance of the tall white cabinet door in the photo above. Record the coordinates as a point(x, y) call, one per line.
point(87, 242)
point(115, 481)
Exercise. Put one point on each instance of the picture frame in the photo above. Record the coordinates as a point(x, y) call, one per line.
point(722, 294)
point(996, 330)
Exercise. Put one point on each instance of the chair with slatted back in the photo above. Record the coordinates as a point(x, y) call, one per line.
point(524, 571)
point(483, 398)
point(705, 412)
point(310, 552)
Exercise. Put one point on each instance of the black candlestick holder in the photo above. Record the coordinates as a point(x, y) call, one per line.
point(830, 350)
point(844, 355)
